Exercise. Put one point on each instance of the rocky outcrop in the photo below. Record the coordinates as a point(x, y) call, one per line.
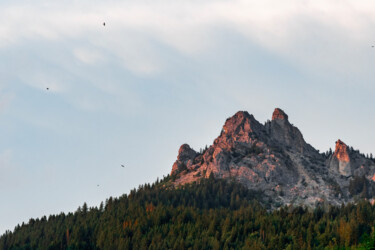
point(279, 114)
point(184, 160)
point(275, 159)
point(340, 161)
point(282, 131)
point(341, 152)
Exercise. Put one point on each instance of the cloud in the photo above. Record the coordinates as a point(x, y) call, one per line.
point(332, 34)
point(137, 52)
point(88, 56)
point(154, 40)
point(44, 80)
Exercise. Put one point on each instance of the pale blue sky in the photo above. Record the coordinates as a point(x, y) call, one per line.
point(162, 73)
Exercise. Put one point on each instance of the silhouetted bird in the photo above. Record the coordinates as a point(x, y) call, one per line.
point(122, 166)
point(47, 88)
point(104, 24)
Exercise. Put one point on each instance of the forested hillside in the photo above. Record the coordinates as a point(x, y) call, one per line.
point(214, 214)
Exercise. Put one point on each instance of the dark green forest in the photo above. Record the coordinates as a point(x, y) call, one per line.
point(214, 214)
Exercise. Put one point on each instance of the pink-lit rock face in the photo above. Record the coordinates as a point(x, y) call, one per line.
point(239, 128)
point(279, 114)
point(340, 161)
point(341, 151)
point(274, 159)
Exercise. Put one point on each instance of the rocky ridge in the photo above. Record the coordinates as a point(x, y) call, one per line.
point(275, 159)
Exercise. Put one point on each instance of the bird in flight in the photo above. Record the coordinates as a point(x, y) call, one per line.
point(104, 24)
point(47, 88)
point(122, 166)
point(97, 185)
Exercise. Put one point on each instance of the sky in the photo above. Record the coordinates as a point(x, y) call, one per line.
point(161, 73)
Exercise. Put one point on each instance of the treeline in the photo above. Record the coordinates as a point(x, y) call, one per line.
point(214, 214)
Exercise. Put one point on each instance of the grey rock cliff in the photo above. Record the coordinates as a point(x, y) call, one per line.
point(185, 159)
point(275, 159)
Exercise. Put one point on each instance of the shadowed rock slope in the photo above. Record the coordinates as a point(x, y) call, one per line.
point(275, 159)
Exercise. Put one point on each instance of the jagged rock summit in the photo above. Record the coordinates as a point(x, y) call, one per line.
point(279, 114)
point(275, 159)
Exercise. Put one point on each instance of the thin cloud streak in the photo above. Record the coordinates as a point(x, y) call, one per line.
point(314, 33)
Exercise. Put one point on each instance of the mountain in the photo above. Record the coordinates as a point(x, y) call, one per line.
point(224, 198)
point(275, 160)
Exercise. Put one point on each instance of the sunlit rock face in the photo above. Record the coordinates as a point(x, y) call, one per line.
point(275, 159)
point(340, 160)
point(341, 152)
point(279, 114)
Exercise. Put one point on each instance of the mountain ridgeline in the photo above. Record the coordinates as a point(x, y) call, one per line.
point(257, 187)
point(275, 160)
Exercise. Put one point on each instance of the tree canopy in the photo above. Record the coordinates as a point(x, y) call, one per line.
point(212, 214)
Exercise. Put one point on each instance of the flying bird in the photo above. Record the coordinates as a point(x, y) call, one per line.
point(47, 88)
point(104, 24)
point(122, 166)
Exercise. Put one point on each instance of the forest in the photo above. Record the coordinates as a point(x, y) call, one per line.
point(212, 214)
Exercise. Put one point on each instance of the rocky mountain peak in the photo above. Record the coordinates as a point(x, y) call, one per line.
point(279, 114)
point(275, 160)
point(242, 121)
point(341, 151)
point(240, 128)
point(285, 133)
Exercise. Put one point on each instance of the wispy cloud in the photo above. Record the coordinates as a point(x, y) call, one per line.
point(44, 80)
point(314, 33)
point(89, 56)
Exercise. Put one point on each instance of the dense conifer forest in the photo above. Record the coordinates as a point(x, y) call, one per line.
point(214, 214)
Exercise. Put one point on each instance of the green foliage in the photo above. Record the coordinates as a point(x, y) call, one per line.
point(214, 214)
